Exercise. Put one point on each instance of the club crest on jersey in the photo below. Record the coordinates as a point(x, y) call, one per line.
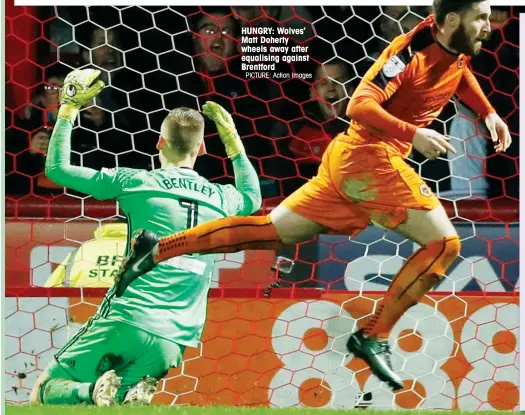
point(425, 190)
point(393, 67)
point(461, 62)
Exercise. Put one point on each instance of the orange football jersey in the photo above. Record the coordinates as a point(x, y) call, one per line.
point(408, 87)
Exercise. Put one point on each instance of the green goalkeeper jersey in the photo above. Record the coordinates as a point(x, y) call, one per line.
point(171, 300)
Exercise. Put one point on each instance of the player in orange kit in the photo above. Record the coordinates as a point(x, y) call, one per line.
point(364, 177)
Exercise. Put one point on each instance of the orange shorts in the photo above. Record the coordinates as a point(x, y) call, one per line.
point(359, 184)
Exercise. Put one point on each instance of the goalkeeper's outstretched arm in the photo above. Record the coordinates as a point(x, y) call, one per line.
point(79, 89)
point(58, 162)
point(247, 184)
point(246, 180)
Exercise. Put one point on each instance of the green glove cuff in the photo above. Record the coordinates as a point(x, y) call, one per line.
point(69, 112)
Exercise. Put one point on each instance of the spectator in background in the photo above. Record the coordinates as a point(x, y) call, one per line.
point(43, 109)
point(330, 89)
point(214, 41)
point(101, 48)
point(324, 115)
point(40, 142)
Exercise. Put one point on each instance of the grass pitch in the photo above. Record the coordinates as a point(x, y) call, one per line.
point(196, 410)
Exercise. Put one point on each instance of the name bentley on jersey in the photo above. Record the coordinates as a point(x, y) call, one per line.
point(181, 183)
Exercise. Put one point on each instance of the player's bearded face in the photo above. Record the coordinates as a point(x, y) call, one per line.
point(473, 29)
point(461, 41)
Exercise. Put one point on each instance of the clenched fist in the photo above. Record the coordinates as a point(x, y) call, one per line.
point(225, 127)
point(80, 87)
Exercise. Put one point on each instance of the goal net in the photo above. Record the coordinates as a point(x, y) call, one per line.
point(285, 74)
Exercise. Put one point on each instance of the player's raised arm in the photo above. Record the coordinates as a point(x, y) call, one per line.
point(80, 87)
point(247, 192)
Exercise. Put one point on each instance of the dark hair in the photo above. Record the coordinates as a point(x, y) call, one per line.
point(273, 12)
point(57, 69)
point(84, 33)
point(194, 19)
point(443, 7)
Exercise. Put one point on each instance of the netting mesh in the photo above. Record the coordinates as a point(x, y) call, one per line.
point(458, 349)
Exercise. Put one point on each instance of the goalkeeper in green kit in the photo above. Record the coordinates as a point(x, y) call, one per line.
point(138, 335)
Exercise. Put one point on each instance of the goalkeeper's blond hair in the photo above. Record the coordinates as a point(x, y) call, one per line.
point(183, 130)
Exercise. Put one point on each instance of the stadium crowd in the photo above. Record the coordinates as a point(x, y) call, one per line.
point(156, 59)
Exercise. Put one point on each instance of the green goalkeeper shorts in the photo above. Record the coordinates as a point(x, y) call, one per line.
point(104, 344)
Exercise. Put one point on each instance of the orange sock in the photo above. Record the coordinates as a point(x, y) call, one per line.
point(221, 236)
point(422, 271)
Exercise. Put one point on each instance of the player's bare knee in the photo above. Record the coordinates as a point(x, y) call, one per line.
point(426, 226)
point(293, 228)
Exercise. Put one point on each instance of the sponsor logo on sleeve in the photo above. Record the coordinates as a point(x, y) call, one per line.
point(393, 67)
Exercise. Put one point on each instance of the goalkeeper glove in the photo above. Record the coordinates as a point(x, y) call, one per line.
point(226, 128)
point(79, 89)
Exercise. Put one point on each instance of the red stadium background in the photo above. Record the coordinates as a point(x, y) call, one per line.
point(285, 350)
